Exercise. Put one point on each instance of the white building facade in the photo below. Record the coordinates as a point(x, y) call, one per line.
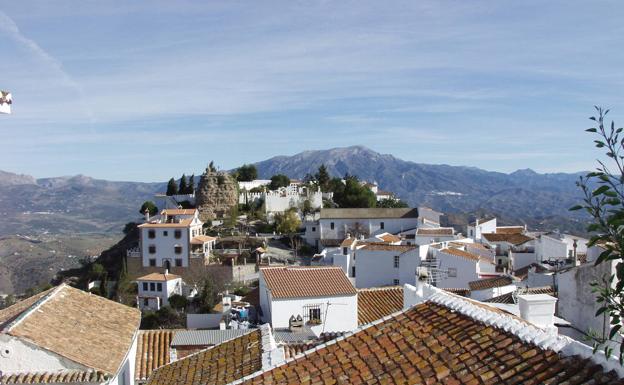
point(155, 289)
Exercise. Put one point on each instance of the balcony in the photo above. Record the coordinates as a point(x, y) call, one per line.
point(134, 252)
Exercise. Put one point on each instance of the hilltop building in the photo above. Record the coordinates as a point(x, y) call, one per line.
point(155, 289)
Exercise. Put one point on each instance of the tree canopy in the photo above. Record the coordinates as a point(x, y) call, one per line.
point(149, 205)
point(246, 173)
point(391, 203)
point(279, 180)
point(323, 178)
point(353, 194)
point(183, 189)
point(172, 187)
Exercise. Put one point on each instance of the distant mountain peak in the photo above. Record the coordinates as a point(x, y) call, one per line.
point(524, 172)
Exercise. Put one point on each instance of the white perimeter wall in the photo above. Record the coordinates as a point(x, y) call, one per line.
point(337, 313)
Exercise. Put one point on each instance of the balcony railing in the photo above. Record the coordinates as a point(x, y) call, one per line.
point(133, 252)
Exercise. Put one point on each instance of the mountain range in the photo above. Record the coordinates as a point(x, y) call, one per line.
point(49, 224)
point(524, 196)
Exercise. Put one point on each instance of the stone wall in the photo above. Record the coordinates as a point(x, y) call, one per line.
point(216, 194)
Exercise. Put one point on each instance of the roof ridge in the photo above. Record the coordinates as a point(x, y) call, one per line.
point(23, 315)
point(380, 288)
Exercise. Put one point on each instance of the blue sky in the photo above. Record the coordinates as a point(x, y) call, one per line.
point(147, 90)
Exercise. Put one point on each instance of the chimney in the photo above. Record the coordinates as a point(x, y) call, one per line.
point(147, 215)
point(295, 324)
point(166, 272)
point(538, 309)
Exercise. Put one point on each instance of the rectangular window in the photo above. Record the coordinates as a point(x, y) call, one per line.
point(345, 250)
point(145, 302)
point(152, 262)
point(397, 259)
point(165, 233)
point(353, 271)
point(313, 314)
point(331, 225)
point(178, 262)
point(152, 286)
point(381, 225)
point(177, 234)
point(144, 286)
point(177, 249)
point(159, 286)
point(452, 272)
point(152, 249)
point(151, 234)
point(313, 229)
point(396, 282)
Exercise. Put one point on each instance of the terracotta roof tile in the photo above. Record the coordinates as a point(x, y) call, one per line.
point(523, 272)
point(459, 291)
point(376, 303)
point(369, 213)
point(510, 230)
point(182, 223)
point(152, 351)
point(514, 239)
point(432, 344)
point(390, 238)
point(490, 283)
point(201, 239)
point(461, 253)
point(10, 313)
point(348, 242)
point(158, 277)
point(78, 377)
point(298, 282)
point(178, 212)
point(83, 327)
point(220, 364)
point(508, 298)
point(435, 231)
point(379, 246)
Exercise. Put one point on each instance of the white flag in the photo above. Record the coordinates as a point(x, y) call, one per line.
point(5, 102)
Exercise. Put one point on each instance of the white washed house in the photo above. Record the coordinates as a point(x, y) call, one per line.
point(155, 289)
point(323, 296)
point(65, 333)
point(484, 289)
point(334, 225)
point(458, 267)
point(173, 238)
point(381, 264)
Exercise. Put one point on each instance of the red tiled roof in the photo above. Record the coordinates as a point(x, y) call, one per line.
point(348, 242)
point(435, 231)
point(178, 211)
point(432, 344)
point(389, 238)
point(461, 253)
point(301, 282)
point(201, 239)
point(490, 283)
point(514, 239)
point(218, 365)
point(152, 351)
point(378, 246)
point(158, 277)
point(68, 376)
point(376, 303)
point(510, 230)
point(458, 291)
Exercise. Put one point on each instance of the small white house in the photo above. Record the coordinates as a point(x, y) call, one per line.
point(479, 227)
point(322, 296)
point(172, 239)
point(425, 236)
point(333, 225)
point(458, 267)
point(155, 289)
point(65, 333)
point(377, 264)
point(483, 289)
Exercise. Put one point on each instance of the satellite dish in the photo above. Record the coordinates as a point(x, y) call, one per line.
point(5, 102)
